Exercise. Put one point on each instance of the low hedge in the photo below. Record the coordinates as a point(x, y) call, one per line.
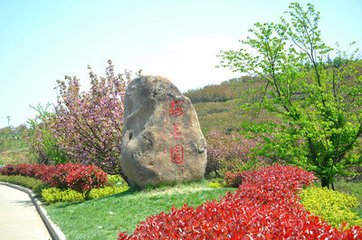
point(55, 195)
point(35, 185)
point(334, 207)
point(96, 193)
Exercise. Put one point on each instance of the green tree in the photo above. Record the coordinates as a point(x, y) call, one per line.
point(41, 141)
point(316, 90)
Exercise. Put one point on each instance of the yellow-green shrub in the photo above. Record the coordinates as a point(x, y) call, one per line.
point(54, 195)
point(106, 191)
point(332, 206)
point(215, 185)
point(116, 180)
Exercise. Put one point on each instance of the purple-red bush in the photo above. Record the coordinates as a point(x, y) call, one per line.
point(25, 169)
point(9, 170)
point(88, 125)
point(44, 172)
point(265, 206)
point(224, 148)
point(75, 176)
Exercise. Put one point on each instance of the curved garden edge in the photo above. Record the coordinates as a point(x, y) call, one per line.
point(54, 231)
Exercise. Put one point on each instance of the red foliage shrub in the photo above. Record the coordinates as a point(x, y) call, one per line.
point(265, 206)
point(75, 176)
point(85, 178)
point(59, 176)
point(25, 169)
point(9, 170)
point(44, 172)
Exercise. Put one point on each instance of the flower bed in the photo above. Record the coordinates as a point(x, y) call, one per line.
point(74, 176)
point(265, 206)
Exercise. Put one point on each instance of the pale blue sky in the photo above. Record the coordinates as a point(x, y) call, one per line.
point(41, 41)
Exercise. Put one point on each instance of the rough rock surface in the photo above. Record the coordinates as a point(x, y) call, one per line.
point(162, 141)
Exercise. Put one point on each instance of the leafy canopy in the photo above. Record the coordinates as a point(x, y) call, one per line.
point(315, 89)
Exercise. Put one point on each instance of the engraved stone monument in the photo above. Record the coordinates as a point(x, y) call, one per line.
point(162, 141)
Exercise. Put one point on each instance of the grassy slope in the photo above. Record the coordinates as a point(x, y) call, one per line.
point(104, 218)
point(351, 188)
point(13, 149)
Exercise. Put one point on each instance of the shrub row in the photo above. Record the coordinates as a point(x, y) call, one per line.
point(265, 206)
point(334, 207)
point(74, 176)
point(34, 184)
point(54, 195)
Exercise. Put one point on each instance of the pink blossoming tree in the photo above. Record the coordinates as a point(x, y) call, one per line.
point(89, 124)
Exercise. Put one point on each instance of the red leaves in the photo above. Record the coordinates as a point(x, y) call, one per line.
point(75, 176)
point(84, 178)
point(9, 170)
point(264, 207)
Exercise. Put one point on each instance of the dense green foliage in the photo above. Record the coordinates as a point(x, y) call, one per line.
point(34, 184)
point(317, 98)
point(41, 140)
point(332, 206)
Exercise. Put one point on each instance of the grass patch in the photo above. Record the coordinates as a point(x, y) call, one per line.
point(13, 151)
point(352, 188)
point(105, 218)
point(34, 184)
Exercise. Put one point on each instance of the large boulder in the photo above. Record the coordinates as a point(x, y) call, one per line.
point(162, 141)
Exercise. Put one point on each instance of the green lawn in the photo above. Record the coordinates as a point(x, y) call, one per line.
point(104, 218)
point(352, 188)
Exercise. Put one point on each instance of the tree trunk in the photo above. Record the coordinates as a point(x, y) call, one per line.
point(325, 182)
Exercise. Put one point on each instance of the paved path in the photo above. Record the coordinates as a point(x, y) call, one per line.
point(19, 219)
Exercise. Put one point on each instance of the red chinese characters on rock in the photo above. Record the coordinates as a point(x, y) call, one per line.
point(176, 109)
point(177, 154)
point(176, 130)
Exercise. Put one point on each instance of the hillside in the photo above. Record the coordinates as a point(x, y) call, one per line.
point(224, 107)
point(13, 147)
